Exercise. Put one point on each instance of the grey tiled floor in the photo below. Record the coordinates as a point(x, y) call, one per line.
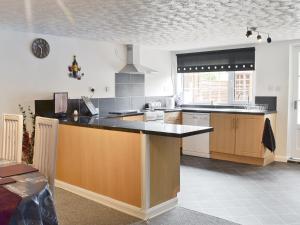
point(244, 194)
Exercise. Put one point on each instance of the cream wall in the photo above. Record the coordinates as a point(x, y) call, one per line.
point(158, 84)
point(25, 78)
point(272, 79)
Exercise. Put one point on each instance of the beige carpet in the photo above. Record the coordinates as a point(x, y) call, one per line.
point(75, 210)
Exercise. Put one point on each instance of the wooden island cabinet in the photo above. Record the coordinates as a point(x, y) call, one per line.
point(132, 166)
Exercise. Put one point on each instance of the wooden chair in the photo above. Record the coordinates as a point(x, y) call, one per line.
point(11, 137)
point(45, 143)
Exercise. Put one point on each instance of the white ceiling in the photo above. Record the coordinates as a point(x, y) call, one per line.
point(168, 24)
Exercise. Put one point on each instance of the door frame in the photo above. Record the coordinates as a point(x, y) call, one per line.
point(294, 55)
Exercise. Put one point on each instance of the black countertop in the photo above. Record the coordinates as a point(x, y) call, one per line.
point(220, 110)
point(155, 128)
point(199, 110)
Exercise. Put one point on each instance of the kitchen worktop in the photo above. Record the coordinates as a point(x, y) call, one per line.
point(162, 129)
point(219, 110)
point(199, 110)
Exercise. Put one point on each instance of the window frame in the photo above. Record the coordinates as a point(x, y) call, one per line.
point(231, 89)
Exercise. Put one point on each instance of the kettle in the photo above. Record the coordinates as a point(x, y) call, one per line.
point(170, 103)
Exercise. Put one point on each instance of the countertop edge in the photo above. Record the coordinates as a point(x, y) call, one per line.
point(132, 130)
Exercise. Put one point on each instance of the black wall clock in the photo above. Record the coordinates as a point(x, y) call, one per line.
point(40, 48)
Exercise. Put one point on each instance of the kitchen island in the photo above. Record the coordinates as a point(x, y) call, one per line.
point(132, 166)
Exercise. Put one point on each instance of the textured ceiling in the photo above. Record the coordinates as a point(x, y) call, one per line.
point(169, 24)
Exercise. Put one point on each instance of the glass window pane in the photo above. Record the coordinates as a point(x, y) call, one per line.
point(242, 86)
point(206, 87)
point(214, 86)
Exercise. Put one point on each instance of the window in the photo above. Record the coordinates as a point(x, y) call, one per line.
point(217, 87)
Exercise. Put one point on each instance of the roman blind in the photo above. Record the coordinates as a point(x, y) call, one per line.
point(222, 60)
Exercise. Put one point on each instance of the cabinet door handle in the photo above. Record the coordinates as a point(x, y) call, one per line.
point(237, 123)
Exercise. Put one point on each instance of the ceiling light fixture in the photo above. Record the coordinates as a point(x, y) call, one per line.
point(269, 40)
point(251, 30)
point(258, 37)
point(248, 33)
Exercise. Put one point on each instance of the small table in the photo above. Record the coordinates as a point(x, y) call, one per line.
point(36, 206)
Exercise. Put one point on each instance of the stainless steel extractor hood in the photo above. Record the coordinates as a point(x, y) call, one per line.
point(133, 65)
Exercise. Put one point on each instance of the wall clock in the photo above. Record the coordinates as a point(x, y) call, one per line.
point(40, 48)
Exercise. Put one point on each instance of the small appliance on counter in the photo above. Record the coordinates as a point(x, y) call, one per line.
point(153, 105)
point(87, 101)
point(60, 104)
point(170, 103)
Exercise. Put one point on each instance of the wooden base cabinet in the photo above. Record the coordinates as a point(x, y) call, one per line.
point(173, 117)
point(223, 138)
point(238, 138)
point(133, 118)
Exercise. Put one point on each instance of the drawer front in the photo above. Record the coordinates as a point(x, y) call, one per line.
point(134, 118)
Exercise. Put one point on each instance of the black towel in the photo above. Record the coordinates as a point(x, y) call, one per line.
point(268, 136)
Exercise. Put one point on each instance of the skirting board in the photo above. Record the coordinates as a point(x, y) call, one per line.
point(118, 205)
point(199, 154)
point(279, 158)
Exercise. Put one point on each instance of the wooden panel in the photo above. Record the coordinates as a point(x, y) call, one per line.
point(238, 158)
point(244, 159)
point(164, 169)
point(134, 118)
point(103, 161)
point(222, 139)
point(173, 117)
point(249, 131)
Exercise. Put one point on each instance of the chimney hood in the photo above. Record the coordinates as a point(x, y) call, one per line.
point(133, 65)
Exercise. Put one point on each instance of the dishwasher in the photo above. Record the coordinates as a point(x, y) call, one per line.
point(196, 145)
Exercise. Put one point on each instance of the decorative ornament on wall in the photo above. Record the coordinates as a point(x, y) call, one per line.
point(75, 69)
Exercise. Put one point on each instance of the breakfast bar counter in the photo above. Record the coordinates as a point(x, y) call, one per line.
point(131, 166)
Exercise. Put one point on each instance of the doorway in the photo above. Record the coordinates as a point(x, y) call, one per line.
point(295, 111)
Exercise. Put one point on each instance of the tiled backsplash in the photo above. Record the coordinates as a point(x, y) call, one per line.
point(105, 105)
point(129, 85)
point(130, 94)
point(271, 101)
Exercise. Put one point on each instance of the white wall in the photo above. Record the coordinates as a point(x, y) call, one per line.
point(161, 82)
point(25, 78)
point(272, 79)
